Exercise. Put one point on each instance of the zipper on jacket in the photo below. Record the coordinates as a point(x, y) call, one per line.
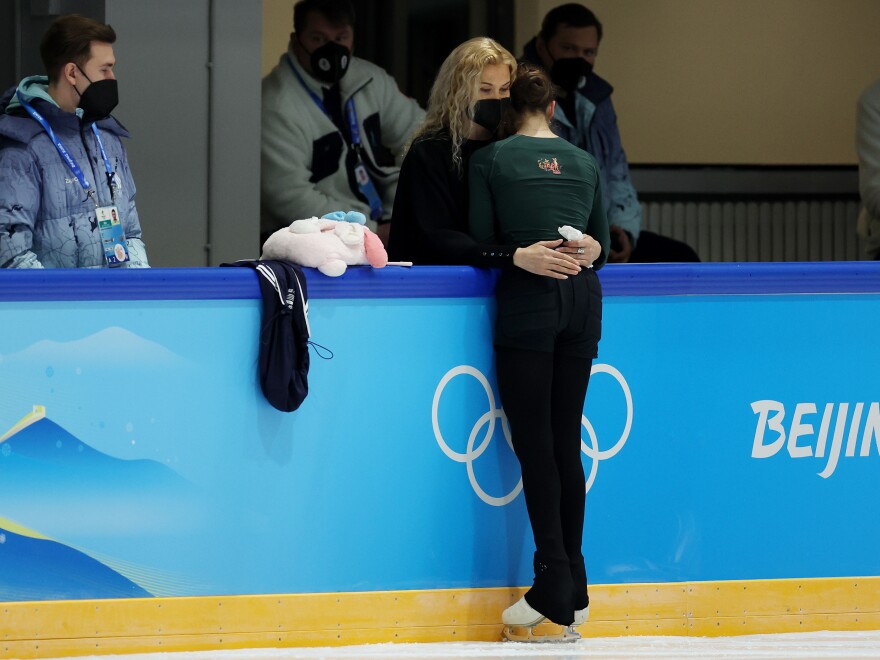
point(365, 156)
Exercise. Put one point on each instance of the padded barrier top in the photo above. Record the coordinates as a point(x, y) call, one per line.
point(437, 281)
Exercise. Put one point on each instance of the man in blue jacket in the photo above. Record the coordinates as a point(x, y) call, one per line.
point(66, 192)
point(567, 47)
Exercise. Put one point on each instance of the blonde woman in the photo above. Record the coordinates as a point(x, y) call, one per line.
point(429, 224)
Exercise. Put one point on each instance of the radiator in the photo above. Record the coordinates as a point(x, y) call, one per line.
point(811, 230)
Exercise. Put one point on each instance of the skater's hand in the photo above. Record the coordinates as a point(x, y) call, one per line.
point(542, 258)
point(586, 250)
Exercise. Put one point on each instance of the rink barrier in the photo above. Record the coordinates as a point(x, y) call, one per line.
point(679, 596)
point(91, 627)
point(438, 282)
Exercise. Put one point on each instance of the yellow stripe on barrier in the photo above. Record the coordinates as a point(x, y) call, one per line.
point(56, 628)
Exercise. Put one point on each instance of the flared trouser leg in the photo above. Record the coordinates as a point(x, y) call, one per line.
point(571, 377)
point(543, 397)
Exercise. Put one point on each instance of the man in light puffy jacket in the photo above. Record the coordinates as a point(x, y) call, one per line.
point(62, 162)
point(333, 125)
point(567, 47)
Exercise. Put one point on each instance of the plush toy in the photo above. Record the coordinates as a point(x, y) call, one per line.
point(328, 244)
point(347, 216)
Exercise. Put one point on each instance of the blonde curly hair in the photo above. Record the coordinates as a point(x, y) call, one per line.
point(453, 94)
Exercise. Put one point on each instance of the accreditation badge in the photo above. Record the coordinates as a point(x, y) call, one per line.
point(112, 236)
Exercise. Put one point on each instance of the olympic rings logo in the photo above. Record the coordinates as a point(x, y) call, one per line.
point(495, 415)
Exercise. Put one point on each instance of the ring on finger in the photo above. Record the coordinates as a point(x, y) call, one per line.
point(580, 250)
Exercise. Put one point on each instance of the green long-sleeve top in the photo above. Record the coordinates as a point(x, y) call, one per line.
point(522, 189)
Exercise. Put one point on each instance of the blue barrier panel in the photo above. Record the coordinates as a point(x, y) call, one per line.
point(731, 432)
point(437, 281)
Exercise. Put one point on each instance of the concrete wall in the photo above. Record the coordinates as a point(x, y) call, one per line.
point(189, 92)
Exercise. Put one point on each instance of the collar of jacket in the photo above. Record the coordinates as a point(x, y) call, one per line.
point(354, 80)
point(23, 128)
point(596, 89)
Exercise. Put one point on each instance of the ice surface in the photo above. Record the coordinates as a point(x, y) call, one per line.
point(824, 645)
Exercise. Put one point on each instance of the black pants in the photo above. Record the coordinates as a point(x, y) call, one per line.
point(543, 373)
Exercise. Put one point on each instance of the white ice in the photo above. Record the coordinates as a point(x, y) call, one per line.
point(793, 646)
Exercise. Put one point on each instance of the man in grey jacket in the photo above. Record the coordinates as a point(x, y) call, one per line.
point(333, 125)
point(66, 192)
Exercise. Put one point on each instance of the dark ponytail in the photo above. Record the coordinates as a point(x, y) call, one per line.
point(531, 92)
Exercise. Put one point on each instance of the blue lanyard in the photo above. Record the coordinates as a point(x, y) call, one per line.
point(110, 173)
point(66, 155)
point(349, 106)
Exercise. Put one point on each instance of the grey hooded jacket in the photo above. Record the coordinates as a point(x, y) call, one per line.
point(46, 218)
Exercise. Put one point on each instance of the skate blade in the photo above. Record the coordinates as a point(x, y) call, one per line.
point(527, 634)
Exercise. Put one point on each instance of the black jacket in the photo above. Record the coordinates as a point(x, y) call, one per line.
point(430, 221)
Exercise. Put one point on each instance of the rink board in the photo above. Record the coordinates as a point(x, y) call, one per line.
point(730, 435)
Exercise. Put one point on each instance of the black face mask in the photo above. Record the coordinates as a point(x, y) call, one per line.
point(569, 73)
point(330, 62)
point(99, 99)
point(488, 113)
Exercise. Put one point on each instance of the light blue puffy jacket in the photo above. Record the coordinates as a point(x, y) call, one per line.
point(46, 218)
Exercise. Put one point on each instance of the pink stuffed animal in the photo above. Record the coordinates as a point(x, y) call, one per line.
point(328, 245)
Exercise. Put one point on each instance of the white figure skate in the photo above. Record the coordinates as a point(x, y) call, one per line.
point(581, 617)
point(520, 620)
